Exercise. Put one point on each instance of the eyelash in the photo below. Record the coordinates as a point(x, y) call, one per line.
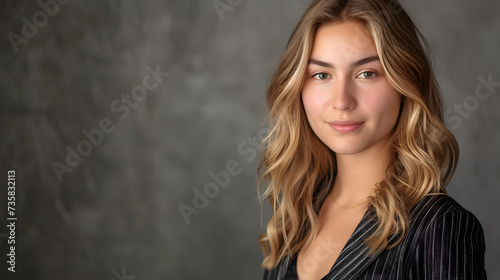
point(372, 72)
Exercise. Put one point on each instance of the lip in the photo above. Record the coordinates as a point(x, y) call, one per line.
point(345, 126)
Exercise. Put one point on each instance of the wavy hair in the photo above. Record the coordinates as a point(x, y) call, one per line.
point(299, 169)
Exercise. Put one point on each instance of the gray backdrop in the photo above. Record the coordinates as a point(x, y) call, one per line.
point(69, 71)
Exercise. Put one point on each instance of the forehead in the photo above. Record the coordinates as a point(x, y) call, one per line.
point(343, 40)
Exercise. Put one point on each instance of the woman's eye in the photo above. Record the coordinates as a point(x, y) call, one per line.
point(367, 75)
point(321, 76)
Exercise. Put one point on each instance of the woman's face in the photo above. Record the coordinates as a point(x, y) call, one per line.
point(348, 100)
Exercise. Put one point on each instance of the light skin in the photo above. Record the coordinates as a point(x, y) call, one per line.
point(352, 108)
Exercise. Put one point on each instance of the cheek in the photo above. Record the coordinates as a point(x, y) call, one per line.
point(384, 104)
point(312, 109)
point(308, 104)
point(314, 102)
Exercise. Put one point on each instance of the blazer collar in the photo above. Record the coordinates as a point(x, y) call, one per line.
point(354, 258)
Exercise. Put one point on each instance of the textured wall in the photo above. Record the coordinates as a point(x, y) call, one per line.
point(114, 212)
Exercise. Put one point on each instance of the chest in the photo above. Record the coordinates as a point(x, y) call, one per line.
point(335, 229)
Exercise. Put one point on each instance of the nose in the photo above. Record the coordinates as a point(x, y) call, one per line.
point(342, 95)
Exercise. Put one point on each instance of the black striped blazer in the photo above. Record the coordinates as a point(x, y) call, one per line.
point(444, 241)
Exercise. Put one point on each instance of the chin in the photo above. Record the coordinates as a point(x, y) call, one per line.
point(346, 149)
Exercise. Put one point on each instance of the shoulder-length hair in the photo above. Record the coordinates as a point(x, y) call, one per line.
point(300, 169)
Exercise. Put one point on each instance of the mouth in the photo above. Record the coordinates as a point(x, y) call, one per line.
point(345, 126)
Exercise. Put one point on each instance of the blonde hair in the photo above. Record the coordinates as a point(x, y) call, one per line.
point(300, 169)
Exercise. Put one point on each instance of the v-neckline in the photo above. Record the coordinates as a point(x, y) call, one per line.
point(365, 220)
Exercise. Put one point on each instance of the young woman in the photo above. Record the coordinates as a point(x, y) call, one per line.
point(358, 156)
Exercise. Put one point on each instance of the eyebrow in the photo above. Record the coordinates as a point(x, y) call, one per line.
point(354, 64)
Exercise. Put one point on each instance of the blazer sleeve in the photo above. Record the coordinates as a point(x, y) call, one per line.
point(453, 247)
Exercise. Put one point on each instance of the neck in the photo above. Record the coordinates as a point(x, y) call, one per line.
point(357, 174)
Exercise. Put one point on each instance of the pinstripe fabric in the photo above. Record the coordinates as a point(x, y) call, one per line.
point(444, 241)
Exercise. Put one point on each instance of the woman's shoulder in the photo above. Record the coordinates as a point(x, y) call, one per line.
point(435, 216)
point(435, 207)
point(442, 213)
point(442, 227)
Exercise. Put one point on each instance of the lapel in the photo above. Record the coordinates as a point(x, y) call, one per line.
point(353, 258)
